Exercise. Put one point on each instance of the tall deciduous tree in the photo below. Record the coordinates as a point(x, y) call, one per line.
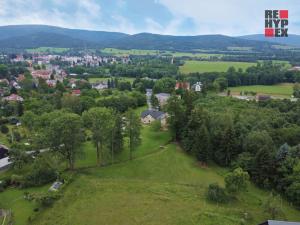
point(65, 136)
point(177, 119)
point(101, 123)
point(133, 130)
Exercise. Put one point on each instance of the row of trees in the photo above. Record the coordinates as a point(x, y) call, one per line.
point(266, 73)
point(64, 132)
point(256, 137)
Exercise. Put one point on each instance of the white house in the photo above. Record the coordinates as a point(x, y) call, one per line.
point(149, 116)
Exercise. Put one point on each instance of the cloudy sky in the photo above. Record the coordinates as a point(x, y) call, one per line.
point(178, 17)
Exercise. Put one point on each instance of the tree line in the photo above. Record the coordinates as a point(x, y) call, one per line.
point(261, 138)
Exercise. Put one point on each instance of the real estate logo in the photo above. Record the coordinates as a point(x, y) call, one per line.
point(276, 22)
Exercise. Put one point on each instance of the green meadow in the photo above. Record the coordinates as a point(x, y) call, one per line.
point(47, 49)
point(122, 52)
point(162, 185)
point(212, 66)
point(280, 90)
point(99, 79)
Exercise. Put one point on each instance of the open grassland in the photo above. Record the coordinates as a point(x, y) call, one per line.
point(99, 79)
point(47, 49)
point(280, 90)
point(211, 66)
point(121, 52)
point(160, 186)
point(165, 187)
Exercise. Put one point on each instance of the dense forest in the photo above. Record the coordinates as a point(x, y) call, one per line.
point(261, 138)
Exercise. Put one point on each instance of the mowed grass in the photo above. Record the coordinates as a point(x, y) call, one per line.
point(47, 49)
point(13, 199)
point(280, 90)
point(164, 188)
point(212, 66)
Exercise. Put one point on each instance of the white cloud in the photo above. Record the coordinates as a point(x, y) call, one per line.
point(232, 17)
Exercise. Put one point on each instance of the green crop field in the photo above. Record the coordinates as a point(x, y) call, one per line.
point(47, 49)
point(284, 90)
point(211, 66)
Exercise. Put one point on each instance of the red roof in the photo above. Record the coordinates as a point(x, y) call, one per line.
point(183, 85)
point(76, 92)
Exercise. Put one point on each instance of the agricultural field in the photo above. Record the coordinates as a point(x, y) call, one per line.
point(279, 90)
point(47, 49)
point(99, 79)
point(211, 66)
point(121, 52)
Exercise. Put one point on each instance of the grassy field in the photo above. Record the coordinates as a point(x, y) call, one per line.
point(98, 79)
point(47, 49)
point(210, 66)
point(160, 186)
point(166, 187)
point(121, 52)
point(284, 90)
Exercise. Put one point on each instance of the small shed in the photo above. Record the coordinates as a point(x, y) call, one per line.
point(56, 186)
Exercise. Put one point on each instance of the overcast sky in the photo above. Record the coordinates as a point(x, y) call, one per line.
point(178, 17)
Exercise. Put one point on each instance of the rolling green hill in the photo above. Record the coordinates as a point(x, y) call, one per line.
point(161, 186)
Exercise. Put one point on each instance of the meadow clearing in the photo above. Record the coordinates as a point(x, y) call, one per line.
point(47, 49)
point(162, 185)
point(280, 90)
point(192, 66)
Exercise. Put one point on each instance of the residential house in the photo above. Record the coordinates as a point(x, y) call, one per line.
point(182, 85)
point(100, 86)
point(51, 83)
point(276, 222)
point(44, 74)
point(295, 68)
point(14, 98)
point(21, 77)
point(149, 116)
point(162, 98)
point(197, 87)
point(76, 92)
point(260, 98)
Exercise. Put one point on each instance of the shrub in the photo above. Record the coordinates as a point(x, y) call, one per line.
point(217, 194)
point(236, 181)
point(4, 129)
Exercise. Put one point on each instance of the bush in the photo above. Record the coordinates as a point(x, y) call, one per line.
point(236, 181)
point(4, 129)
point(44, 199)
point(217, 194)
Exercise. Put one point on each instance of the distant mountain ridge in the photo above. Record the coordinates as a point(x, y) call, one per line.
point(292, 39)
point(32, 36)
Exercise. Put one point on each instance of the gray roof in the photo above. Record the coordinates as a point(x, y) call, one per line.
point(275, 222)
point(155, 114)
point(163, 95)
